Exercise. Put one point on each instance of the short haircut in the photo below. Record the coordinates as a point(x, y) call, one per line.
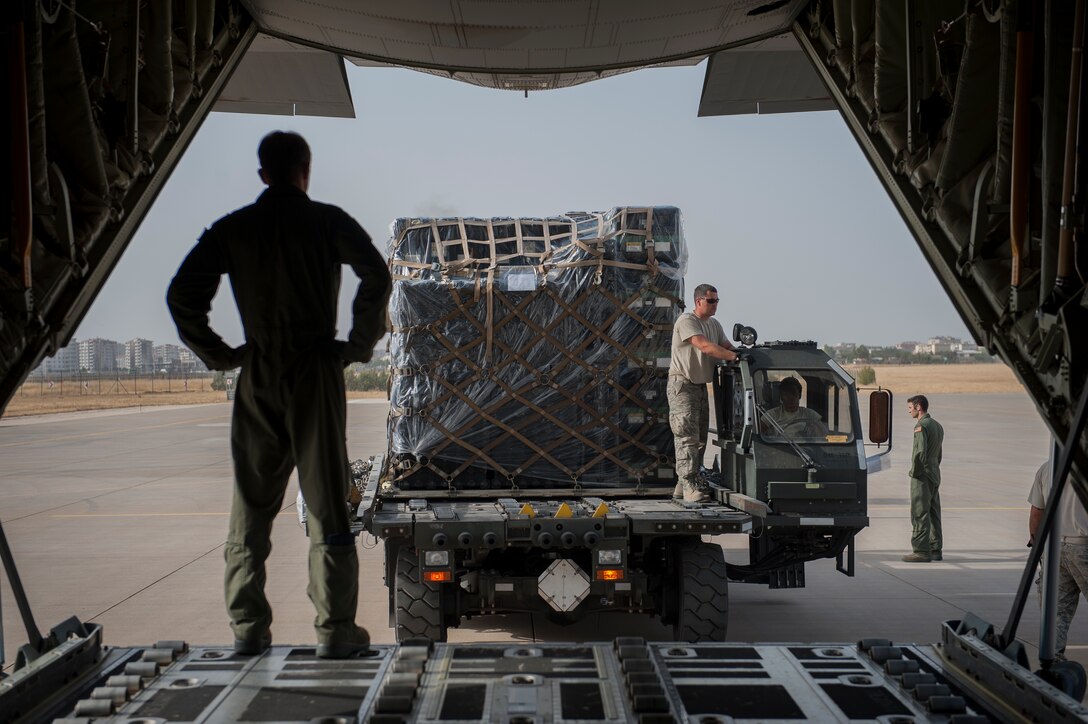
point(919, 401)
point(702, 289)
point(790, 383)
point(282, 155)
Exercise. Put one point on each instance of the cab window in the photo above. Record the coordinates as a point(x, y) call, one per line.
point(810, 406)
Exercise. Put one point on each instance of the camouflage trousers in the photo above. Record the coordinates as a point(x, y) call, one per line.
point(1072, 584)
point(689, 418)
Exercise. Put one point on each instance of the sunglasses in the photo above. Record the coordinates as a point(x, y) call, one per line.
point(708, 300)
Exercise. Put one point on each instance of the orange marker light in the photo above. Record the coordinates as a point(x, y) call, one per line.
point(609, 574)
point(437, 576)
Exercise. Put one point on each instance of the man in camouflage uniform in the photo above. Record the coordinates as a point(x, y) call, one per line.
point(284, 255)
point(1072, 522)
point(925, 484)
point(697, 340)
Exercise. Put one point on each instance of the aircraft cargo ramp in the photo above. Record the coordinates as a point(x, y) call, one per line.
point(628, 680)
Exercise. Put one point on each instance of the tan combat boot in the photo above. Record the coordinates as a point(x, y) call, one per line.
point(695, 493)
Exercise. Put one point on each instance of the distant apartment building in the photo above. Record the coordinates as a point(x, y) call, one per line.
point(98, 355)
point(970, 349)
point(939, 345)
point(189, 362)
point(64, 362)
point(175, 359)
point(136, 356)
point(139, 355)
point(166, 356)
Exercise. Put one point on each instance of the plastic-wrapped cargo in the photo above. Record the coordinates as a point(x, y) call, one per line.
point(533, 353)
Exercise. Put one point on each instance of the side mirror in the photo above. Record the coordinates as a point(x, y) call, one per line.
point(880, 416)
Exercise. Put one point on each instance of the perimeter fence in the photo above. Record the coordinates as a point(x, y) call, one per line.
point(116, 383)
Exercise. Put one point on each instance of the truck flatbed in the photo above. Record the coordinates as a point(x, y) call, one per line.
point(640, 516)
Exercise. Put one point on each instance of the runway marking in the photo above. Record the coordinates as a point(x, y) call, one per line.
point(136, 515)
point(107, 432)
point(944, 508)
point(151, 515)
point(950, 566)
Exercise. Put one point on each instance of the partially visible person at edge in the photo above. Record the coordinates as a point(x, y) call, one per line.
point(1073, 561)
point(927, 539)
point(697, 340)
point(795, 421)
point(283, 255)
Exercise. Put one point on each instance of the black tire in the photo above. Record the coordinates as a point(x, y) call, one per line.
point(702, 593)
point(419, 604)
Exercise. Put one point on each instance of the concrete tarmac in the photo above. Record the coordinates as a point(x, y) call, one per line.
point(119, 517)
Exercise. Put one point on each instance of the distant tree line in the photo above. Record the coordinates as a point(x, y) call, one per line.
point(368, 377)
point(357, 378)
point(853, 354)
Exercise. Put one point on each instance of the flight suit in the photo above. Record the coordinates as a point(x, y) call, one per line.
point(925, 483)
point(283, 255)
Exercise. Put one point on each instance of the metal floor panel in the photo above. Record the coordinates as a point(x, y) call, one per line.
point(626, 680)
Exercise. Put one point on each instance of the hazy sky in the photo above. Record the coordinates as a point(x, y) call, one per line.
point(782, 212)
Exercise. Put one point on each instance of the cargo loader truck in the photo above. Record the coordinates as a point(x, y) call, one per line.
point(798, 494)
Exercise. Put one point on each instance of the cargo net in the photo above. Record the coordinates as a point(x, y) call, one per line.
point(533, 353)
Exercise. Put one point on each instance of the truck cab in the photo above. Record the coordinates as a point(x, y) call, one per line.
point(793, 454)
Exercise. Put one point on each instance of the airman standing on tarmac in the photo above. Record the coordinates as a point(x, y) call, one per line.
point(283, 255)
point(927, 539)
